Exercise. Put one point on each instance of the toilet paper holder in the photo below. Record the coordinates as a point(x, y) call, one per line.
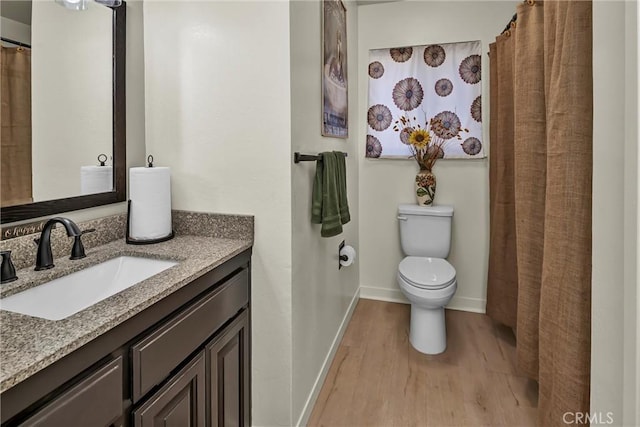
point(345, 259)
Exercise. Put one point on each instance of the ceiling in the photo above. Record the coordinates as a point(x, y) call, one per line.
point(366, 2)
point(20, 10)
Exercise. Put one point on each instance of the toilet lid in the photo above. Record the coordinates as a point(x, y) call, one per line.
point(427, 273)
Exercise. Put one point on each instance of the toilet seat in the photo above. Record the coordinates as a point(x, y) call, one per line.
point(427, 273)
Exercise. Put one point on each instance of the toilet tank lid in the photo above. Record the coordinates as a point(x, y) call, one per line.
point(435, 210)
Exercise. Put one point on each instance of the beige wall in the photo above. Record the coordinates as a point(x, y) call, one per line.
point(631, 384)
point(614, 364)
point(71, 95)
point(15, 30)
point(462, 183)
point(322, 294)
point(218, 113)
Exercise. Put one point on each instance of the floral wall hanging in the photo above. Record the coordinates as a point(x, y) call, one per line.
point(420, 83)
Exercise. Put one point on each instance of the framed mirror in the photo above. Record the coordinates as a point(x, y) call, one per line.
point(68, 108)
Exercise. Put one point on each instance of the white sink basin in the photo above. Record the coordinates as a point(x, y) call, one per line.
point(67, 295)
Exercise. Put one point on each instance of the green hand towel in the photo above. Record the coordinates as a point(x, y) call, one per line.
point(329, 201)
point(345, 216)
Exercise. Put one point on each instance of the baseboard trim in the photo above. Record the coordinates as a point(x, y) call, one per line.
point(474, 305)
point(317, 386)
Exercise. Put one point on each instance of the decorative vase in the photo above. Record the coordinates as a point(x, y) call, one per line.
point(425, 187)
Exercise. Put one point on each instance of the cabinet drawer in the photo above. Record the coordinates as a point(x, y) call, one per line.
point(158, 354)
point(78, 405)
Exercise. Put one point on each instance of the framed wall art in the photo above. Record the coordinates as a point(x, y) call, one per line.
point(335, 121)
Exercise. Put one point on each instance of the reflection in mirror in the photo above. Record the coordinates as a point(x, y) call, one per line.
point(57, 101)
point(74, 91)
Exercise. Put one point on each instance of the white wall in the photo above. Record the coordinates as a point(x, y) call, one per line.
point(218, 113)
point(322, 294)
point(462, 183)
point(614, 363)
point(15, 30)
point(71, 95)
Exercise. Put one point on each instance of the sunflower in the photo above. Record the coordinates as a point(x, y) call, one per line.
point(419, 138)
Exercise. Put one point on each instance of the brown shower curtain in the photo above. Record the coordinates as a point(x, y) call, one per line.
point(15, 124)
point(539, 279)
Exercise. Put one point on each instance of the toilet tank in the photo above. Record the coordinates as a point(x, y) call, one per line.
point(425, 230)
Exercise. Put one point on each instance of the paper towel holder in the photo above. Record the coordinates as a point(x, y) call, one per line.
point(131, 241)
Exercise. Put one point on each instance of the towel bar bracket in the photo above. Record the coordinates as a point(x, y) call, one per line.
point(298, 157)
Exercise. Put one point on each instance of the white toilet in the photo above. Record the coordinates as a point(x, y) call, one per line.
point(425, 277)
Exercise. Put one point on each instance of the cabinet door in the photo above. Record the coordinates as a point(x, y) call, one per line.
point(77, 405)
point(228, 368)
point(180, 403)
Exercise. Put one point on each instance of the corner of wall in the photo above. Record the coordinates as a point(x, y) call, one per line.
point(631, 357)
point(322, 296)
point(608, 211)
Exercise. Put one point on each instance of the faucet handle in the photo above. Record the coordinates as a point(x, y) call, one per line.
point(7, 271)
point(77, 251)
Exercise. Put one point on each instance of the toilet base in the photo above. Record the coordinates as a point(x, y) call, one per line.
point(428, 332)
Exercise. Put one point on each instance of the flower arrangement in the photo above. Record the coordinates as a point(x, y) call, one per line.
point(427, 143)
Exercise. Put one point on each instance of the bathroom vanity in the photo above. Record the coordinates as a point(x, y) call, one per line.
point(172, 350)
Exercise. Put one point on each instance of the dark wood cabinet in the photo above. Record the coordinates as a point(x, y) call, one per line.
point(184, 361)
point(228, 375)
point(211, 390)
point(181, 402)
point(159, 352)
point(77, 406)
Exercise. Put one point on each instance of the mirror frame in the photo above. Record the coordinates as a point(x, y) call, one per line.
point(49, 207)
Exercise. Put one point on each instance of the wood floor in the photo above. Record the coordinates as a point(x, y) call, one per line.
point(378, 379)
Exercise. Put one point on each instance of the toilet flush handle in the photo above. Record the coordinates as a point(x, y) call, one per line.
point(402, 218)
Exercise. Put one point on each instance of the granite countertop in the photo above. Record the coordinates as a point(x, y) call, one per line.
point(30, 344)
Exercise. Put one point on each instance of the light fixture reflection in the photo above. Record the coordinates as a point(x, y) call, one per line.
point(109, 3)
point(82, 4)
point(73, 4)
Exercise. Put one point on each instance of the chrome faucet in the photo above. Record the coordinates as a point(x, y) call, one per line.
point(44, 259)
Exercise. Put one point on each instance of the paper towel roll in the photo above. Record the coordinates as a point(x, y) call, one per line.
point(96, 179)
point(350, 255)
point(150, 194)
